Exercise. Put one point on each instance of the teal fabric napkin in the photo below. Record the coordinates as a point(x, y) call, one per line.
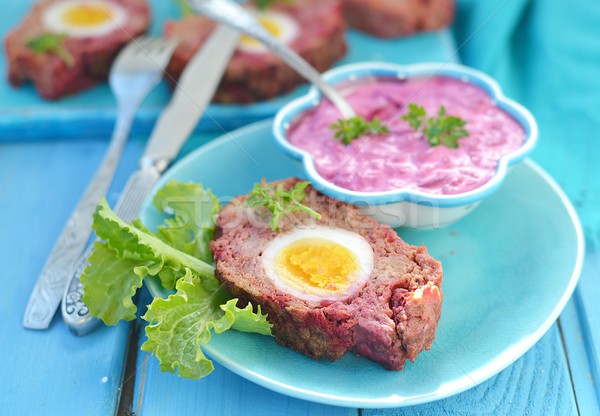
point(546, 55)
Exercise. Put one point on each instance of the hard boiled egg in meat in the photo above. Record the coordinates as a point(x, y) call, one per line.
point(318, 263)
point(84, 18)
point(281, 26)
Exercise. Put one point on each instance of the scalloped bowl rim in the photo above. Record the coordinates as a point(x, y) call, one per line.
point(352, 72)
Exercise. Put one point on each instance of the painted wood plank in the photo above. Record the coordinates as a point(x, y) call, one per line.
point(581, 327)
point(587, 302)
point(579, 350)
point(50, 372)
point(221, 393)
point(536, 384)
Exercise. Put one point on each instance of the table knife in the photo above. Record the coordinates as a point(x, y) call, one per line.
point(193, 93)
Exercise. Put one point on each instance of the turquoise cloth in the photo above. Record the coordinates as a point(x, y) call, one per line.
point(546, 55)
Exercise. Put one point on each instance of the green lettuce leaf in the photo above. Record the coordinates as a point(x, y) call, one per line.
point(179, 325)
point(186, 10)
point(192, 225)
point(128, 255)
point(182, 323)
point(130, 242)
point(109, 285)
point(245, 320)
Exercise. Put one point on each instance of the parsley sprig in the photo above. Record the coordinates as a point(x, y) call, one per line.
point(186, 10)
point(279, 201)
point(349, 129)
point(263, 5)
point(51, 43)
point(443, 129)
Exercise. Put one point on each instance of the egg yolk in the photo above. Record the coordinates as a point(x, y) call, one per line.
point(86, 15)
point(270, 25)
point(316, 263)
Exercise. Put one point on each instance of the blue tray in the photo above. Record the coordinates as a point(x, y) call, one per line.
point(24, 115)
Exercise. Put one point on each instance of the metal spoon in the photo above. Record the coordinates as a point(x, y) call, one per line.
point(231, 14)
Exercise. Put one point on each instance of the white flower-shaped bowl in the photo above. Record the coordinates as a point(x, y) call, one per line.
point(408, 207)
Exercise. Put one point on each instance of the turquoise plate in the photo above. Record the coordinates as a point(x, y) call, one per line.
point(509, 269)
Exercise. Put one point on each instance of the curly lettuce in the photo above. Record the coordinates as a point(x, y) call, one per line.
point(178, 254)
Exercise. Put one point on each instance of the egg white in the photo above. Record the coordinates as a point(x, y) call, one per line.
point(352, 241)
point(286, 24)
point(53, 18)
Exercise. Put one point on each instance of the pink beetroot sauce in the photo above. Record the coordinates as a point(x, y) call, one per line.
point(404, 158)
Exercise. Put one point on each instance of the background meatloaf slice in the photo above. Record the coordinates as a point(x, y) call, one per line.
point(254, 77)
point(93, 56)
point(393, 317)
point(392, 18)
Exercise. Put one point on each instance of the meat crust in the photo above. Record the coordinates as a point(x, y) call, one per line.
point(92, 56)
point(391, 319)
point(252, 77)
point(394, 18)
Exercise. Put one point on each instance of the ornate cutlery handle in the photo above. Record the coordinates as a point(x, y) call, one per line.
point(50, 285)
point(75, 313)
point(196, 87)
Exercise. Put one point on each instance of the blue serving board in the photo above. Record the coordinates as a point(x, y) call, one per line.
point(24, 115)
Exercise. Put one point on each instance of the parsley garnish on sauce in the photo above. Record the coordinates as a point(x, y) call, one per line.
point(349, 129)
point(51, 43)
point(279, 201)
point(443, 129)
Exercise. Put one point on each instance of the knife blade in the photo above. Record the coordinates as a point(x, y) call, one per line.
point(193, 93)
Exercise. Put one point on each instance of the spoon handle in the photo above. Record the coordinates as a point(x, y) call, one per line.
point(231, 14)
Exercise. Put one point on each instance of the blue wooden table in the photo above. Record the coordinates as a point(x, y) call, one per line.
point(52, 372)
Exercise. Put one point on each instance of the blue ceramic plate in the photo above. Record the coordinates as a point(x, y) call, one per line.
point(24, 115)
point(509, 269)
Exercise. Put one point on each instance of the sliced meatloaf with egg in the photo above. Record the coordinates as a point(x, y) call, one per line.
point(92, 53)
point(389, 319)
point(316, 31)
point(394, 18)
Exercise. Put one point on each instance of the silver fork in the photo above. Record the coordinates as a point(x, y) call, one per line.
point(136, 71)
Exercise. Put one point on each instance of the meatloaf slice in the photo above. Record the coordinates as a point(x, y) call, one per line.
point(391, 319)
point(255, 76)
point(92, 55)
point(394, 18)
